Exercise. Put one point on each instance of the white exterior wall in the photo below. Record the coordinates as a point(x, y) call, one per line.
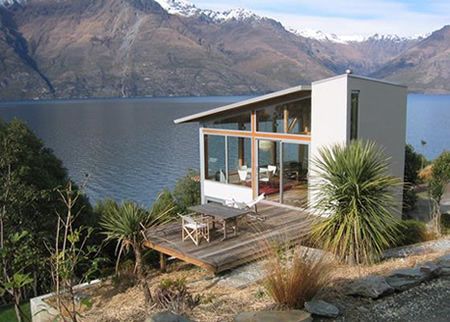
point(381, 117)
point(329, 102)
point(221, 191)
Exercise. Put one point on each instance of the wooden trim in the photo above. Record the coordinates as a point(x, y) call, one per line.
point(282, 136)
point(258, 135)
point(180, 256)
point(227, 132)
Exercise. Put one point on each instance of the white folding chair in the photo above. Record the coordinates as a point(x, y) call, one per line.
point(194, 229)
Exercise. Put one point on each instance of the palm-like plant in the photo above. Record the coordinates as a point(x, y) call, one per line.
point(124, 223)
point(358, 197)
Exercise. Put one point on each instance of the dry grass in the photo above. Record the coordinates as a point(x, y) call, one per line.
point(221, 302)
point(426, 173)
point(296, 275)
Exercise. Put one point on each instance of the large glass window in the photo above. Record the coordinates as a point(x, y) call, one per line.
point(294, 117)
point(354, 115)
point(239, 161)
point(298, 116)
point(295, 171)
point(237, 122)
point(270, 119)
point(269, 169)
point(215, 167)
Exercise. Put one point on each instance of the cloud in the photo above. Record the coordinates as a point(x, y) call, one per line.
point(344, 17)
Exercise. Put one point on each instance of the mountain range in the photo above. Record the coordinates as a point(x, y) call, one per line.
point(110, 48)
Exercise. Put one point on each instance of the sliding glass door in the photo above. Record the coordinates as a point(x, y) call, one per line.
point(269, 161)
point(282, 172)
point(295, 171)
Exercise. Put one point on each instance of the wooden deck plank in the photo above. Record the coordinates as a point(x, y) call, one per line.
point(281, 224)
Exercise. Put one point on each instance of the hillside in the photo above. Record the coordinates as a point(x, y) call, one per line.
point(77, 48)
point(135, 48)
point(425, 67)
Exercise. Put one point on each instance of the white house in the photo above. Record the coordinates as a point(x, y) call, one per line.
point(265, 144)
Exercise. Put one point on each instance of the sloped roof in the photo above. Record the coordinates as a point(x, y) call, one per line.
point(289, 93)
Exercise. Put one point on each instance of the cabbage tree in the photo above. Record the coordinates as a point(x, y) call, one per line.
point(357, 194)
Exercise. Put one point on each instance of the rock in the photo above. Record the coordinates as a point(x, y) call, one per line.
point(322, 308)
point(431, 269)
point(167, 317)
point(371, 286)
point(278, 316)
point(406, 278)
point(445, 271)
point(444, 261)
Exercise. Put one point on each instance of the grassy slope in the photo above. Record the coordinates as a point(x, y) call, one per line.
point(7, 313)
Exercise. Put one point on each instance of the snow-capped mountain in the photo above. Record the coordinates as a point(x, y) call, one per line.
point(188, 9)
point(323, 36)
point(317, 34)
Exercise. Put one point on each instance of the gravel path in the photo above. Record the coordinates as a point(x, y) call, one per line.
point(428, 302)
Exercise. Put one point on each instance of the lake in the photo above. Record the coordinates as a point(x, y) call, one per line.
point(131, 149)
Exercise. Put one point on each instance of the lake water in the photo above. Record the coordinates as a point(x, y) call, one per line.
point(131, 149)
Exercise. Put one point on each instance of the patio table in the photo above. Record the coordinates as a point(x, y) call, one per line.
point(221, 213)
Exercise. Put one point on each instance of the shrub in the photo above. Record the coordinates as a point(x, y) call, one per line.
point(187, 191)
point(123, 224)
point(414, 162)
point(409, 197)
point(440, 176)
point(292, 280)
point(356, 194)
point(411, 232)
point(165, 201)
point(446, 223)
point(173, 295)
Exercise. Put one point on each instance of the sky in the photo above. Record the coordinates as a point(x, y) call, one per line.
point(347, 17)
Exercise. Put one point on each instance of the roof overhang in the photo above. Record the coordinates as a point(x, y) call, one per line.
point(290, 94)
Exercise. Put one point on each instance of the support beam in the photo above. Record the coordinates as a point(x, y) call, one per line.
point(254, 161)
point(162, 262)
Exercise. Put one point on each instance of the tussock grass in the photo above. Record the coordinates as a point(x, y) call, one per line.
point(295, 275)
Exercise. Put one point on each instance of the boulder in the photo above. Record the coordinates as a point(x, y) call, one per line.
point(322, 308)
point(269, 316)
point(404, 279)
point(445, 271)
point(167, 317)
point(444, 261)
point(370, 286)
point(431, 269)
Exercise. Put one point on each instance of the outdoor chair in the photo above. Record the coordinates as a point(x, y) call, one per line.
point(243, 174)
point(272, 169)
point(195, 228)
point(253, 204)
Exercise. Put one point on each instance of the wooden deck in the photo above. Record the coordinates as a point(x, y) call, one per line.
point(283, 224)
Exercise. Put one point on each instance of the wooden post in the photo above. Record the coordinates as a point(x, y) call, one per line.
point(241, 151)
point(286, 120)
point(206, 156)
point(162, 262)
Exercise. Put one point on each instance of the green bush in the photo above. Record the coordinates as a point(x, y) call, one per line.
point(187, 191)
point(446, 223)
point(411, 232)
point(440, 176)
point(165, 201)
point(413, 163)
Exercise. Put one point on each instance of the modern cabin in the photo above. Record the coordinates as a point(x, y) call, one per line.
point(265, 144)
